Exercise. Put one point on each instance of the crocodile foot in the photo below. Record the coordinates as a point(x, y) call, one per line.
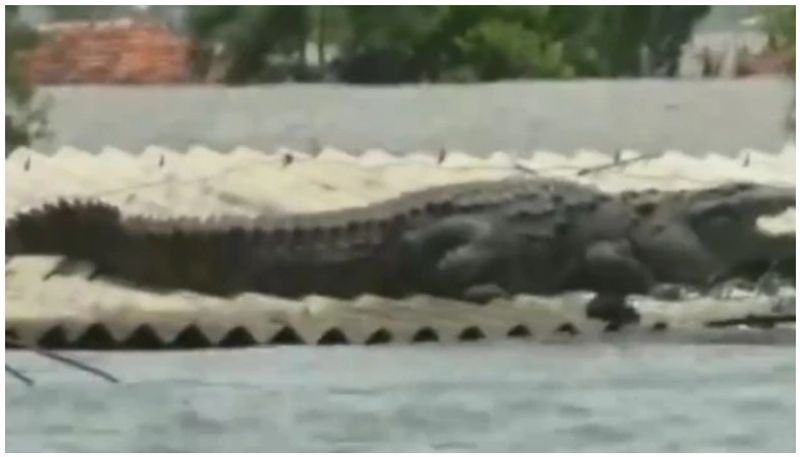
point(613, 309)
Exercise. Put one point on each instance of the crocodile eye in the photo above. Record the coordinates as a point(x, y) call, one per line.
point(742, 186)
point(645, 209)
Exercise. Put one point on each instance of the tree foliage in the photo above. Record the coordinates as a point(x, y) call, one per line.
point(25, 117)
point(387, 44)
point(249, 35)
point(779, 24)
point(89, 12)
point(495, 50)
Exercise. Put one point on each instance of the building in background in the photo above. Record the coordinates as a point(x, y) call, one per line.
point(730, 43)
point(136, 50)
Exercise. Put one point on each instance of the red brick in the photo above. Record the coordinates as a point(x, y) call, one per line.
point(136, 52)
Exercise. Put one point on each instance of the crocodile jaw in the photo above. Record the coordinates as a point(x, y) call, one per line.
point(745, 222)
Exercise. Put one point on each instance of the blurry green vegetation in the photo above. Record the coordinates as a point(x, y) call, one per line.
point(89, 12)
point(779, 24)
point(250, 35)
point(25, 119)
point(390, 44)
point(442, 43)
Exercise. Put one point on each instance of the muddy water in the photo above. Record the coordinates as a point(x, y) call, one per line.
point(484, 397)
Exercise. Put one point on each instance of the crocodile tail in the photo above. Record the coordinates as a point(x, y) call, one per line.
point(218, 259)
point(150, 254)
point(79, 230)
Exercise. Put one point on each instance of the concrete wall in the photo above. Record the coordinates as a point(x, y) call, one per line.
point(647, 115)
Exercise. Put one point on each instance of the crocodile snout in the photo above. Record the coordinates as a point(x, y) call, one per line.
point(743, 202)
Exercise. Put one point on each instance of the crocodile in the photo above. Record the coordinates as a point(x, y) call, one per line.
point(473, 241)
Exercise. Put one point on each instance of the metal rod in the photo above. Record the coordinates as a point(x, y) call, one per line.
point(60, 358)
point(17, 374)
point(616, 163)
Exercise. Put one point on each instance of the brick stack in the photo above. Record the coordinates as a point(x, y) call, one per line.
point(109, 52)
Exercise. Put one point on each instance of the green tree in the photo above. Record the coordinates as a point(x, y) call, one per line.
point(329, 27)
point(498, 49)
point(89, 12)
point(25, 116)
point(510, 41)
point(495, 42)
point(384, 44)
point(388, 44)
point(249, 35)
point(779, 24)
point(629, 40)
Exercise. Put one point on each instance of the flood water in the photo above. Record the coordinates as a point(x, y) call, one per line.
point(472, 397)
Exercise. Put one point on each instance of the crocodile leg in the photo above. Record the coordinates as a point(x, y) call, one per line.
point(612, 267)
point(448, 257)
point(613, 272)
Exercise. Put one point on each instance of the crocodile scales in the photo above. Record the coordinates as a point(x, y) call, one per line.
point(472, 240)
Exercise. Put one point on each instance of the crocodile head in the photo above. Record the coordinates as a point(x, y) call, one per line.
point(725, 219)
point(716, 231)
